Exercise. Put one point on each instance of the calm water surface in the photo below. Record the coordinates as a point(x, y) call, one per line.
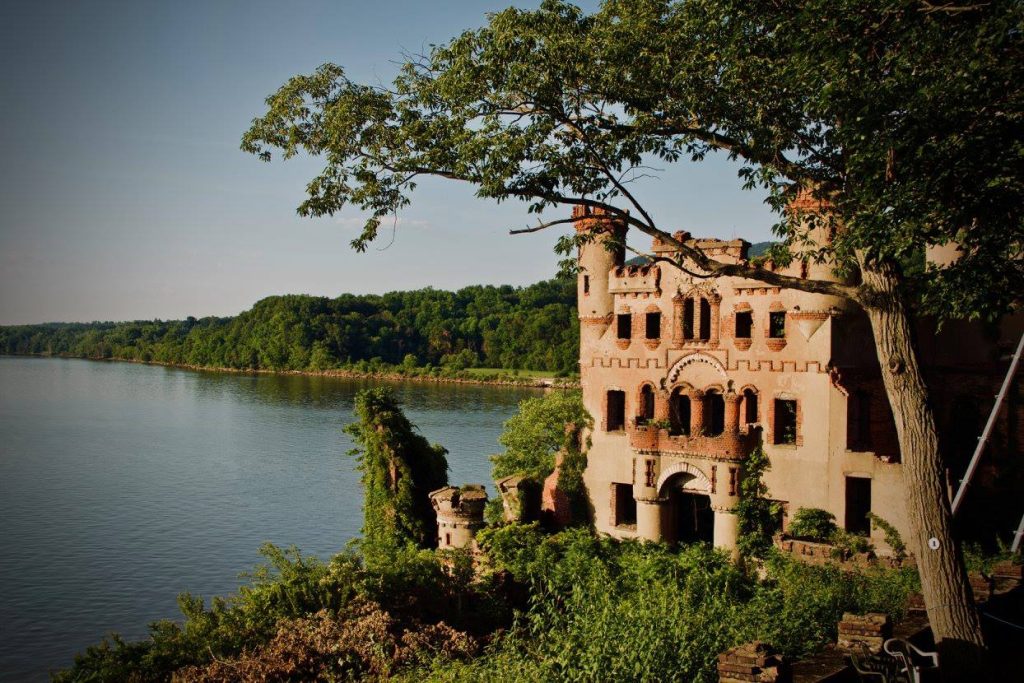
point(122, 485)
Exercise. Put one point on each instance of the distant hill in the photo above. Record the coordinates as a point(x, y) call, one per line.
point(532, 327)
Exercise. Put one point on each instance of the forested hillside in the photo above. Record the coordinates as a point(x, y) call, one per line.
point(531, 327)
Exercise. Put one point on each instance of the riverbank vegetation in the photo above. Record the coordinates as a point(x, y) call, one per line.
point(495, 329)
point(532, 605)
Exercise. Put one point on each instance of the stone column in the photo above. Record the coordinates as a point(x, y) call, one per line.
point(648, 519)
point(727, 530)
point(732, 412)
point(716, 306)
point(661, 405)
point(696, 412)
point(677, 320)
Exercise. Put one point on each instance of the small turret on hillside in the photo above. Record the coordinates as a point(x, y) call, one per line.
point(460, 514)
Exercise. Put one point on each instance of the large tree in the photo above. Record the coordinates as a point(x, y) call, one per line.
point(902, 117)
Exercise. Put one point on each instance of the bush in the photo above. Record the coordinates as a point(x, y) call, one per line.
point(892, 536)
point(813, 524)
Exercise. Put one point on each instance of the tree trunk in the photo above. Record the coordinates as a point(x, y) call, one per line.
point(947, 593)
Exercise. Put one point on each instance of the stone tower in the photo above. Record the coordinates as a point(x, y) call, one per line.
point(596, 262)
point(460, 514)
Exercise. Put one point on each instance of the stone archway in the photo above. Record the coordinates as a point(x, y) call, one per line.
point(692, 480)
point(688, 516)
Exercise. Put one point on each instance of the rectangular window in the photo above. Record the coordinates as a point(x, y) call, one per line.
point(654, 325)
point(625, 505)
point(744, 324)
point(858, 505)
point(586, 284)
point(616, 418)
point(784, 431)
point(624, 325)
point(777, 325)
point(688, 319)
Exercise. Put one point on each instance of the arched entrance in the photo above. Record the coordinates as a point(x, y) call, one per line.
point(688, 517)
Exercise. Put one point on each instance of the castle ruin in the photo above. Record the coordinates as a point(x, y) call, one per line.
point(685, 376)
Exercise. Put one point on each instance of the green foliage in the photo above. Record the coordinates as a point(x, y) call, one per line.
point(554, 106)
point(399, 469)
point(846, 544)
point(758, 516)
point(608, 610)
point(892, 535)
point(813, 524)
point(499, 327)
point(536, 432)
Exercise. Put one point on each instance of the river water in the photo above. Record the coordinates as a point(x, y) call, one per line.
point(122, 485)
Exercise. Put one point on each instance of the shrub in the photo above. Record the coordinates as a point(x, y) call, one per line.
point(892, 536)
point(813, 524)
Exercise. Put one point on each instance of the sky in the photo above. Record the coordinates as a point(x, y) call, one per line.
point(124, 195)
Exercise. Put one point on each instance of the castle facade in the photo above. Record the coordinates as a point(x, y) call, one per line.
point(686, 375)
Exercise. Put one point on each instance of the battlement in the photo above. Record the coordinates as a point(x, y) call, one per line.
point(711, 246)
point(634, 279)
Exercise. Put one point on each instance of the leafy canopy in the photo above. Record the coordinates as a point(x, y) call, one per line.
point(534, 434)
point(903, 115)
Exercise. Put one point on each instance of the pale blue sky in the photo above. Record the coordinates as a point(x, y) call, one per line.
point(123, 194)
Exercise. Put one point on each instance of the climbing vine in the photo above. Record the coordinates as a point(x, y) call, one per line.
point(399, 468)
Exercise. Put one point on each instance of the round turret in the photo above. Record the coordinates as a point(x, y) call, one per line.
point(596, 261)
point(460, 514)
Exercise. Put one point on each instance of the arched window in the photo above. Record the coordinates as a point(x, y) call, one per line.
point(749, 406)
point(679, 413)
point(714, 407)
point(688, 319)
point(646, 405)
point(705, 320)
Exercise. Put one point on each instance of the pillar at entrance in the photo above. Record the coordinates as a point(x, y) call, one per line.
point(727, 530)
point(648, 519)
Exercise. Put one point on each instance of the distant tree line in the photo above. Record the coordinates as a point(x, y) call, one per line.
point(532, 327)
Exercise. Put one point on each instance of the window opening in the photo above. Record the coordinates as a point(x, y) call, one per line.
point(646, 405)
point(777, 324)
point(625, 325)
point(749, 406)
point(785, 422)
point(679, 413)
point(586, 284)
point(616, 410)
point(688, 319)
point(654, 325)
point(715, 403)
point(705, 320)
point(625, 505)
point(744, 324)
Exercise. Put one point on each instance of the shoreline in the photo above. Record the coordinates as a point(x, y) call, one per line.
point(520, 383)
